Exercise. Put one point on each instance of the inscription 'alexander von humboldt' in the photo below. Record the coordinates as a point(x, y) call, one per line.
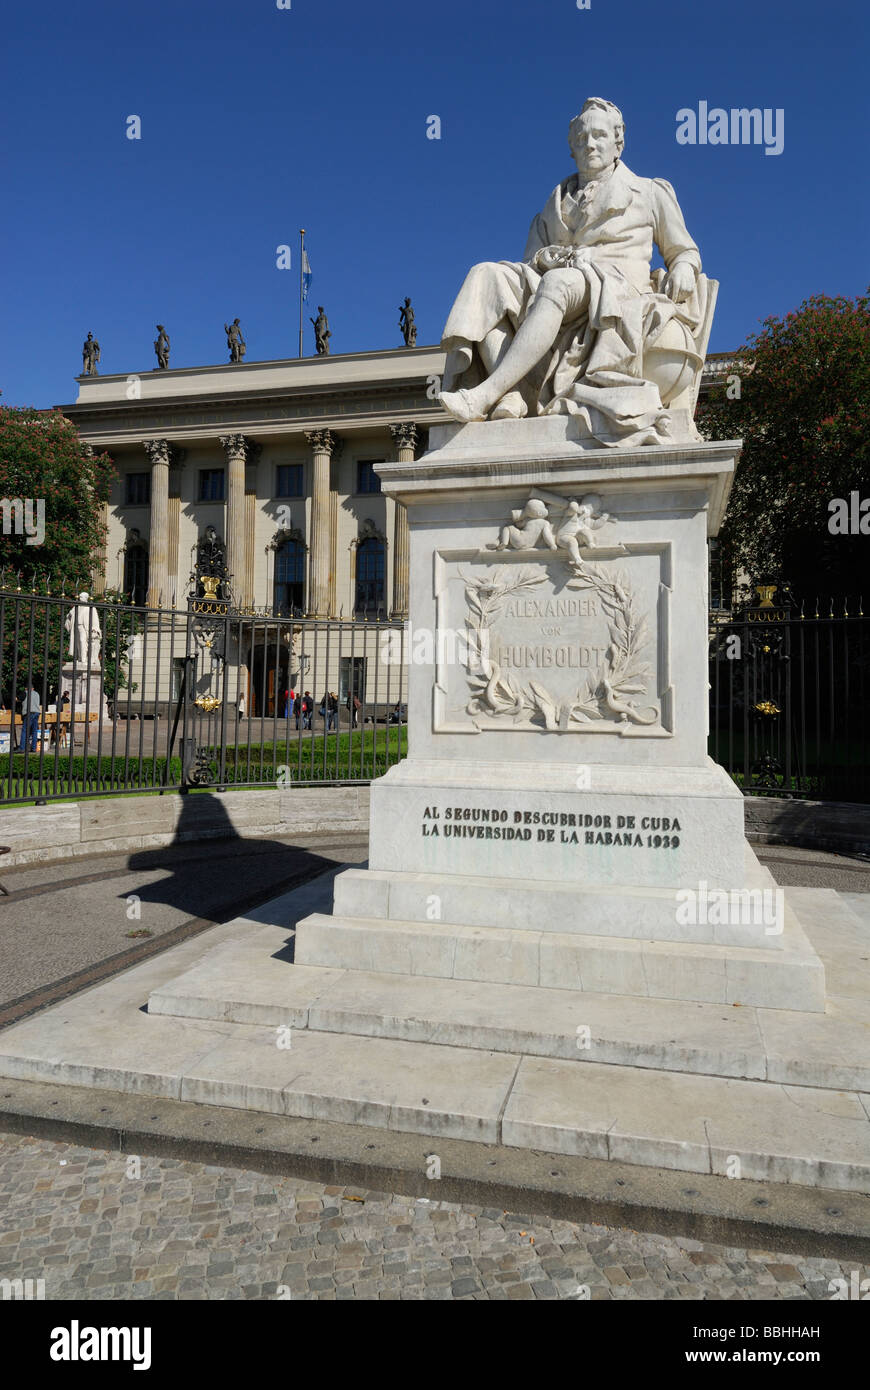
point(513, 654)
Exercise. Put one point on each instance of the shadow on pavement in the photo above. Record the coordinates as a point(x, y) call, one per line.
point(226, 874)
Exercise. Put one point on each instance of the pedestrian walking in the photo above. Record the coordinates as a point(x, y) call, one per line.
point(307, 710)
point(332, 711)
point(31, 708)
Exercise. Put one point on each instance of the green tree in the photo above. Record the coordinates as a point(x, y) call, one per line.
point(804, 386)
point(44, 463)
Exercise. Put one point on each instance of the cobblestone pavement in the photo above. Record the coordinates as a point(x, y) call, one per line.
point(85, 1223)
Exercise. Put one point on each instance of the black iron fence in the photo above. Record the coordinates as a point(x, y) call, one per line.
point(789, 693)
point(100, 697)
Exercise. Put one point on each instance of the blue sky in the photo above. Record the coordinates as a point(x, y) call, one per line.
point(258, 121)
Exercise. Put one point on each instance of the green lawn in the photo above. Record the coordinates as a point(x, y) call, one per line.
point(358, 755)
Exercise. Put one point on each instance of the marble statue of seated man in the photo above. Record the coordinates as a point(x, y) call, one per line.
point(566, 330)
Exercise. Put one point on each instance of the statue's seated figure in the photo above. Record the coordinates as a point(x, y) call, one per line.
point(582, 325)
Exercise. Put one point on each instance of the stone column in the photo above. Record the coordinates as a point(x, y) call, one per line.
point(174, 527)
point(323, 445)
point(334, 605)
point(235, 448)
point(158, 451)
point(405, 439)
point(98, 574)
point(101, 557)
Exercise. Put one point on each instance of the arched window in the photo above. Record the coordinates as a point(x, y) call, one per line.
point(290, 580)
point(369, 577)
point(135, 568)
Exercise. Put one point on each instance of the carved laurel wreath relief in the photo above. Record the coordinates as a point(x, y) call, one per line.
point(608, 693)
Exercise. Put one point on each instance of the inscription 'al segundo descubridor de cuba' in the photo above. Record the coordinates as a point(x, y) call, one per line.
point(551, 827)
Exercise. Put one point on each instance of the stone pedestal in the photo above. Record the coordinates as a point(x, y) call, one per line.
point(558, 780)
point(560, 916)
point(85, 690)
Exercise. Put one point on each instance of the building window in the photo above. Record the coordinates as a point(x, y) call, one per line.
point(137, 489)
point(290, 580)
point(367, 479)
point(211, 485)
point(291, 480)
point(176, 678)
point(136, 570)
point(369, 577)
point(351, 678)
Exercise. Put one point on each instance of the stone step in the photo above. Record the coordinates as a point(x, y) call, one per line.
point(648, 914)
point(791, 978)
point(747, 1129)
point(742, 1129)
point(252, 981)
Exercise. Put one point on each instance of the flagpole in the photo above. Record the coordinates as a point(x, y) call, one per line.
point(301, 286)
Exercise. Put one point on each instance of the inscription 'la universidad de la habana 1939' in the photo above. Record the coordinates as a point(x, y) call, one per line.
point(551, 827)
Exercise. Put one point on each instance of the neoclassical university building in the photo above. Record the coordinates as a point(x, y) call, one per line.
point(280, 457)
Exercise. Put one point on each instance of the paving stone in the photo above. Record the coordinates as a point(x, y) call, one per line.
point(460, 1287)
point(197, 1231)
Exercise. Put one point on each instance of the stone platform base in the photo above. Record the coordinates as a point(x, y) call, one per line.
point(759, 1093)
point(620, 941)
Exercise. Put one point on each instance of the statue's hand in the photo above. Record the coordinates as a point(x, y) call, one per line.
point(553, 258)
point(679, 283)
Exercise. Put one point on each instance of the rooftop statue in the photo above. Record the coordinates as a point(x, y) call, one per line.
point(161, 347)
point(235, 341)
point(90, 356)
point(407, 323)
point(322, 334)
point(581, 325)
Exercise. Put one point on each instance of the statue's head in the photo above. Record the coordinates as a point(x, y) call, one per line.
point(597, 136)
point(160, 328)
point(83, 597)
point(535, 509)
point(210, 533)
